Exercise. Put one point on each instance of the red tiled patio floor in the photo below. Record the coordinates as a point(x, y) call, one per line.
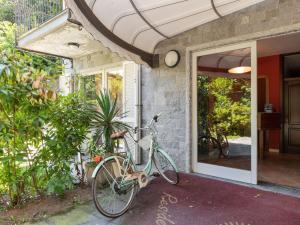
point(204, 201)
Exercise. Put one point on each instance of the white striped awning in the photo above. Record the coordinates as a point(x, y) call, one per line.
point(135, 27)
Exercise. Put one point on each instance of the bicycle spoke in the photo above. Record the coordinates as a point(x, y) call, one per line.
point(109, 174)
point(114, 202)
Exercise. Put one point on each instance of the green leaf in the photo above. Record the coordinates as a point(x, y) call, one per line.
point(4, 70)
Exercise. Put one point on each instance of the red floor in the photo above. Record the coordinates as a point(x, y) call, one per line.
point(203, 201)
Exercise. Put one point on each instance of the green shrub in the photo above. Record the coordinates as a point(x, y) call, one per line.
point(40, 131)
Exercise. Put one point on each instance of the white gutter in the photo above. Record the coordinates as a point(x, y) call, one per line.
point(138, 103)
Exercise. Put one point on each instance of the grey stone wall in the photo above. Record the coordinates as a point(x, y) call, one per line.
point(168, 90)
point(268, 18)
point(163, 92)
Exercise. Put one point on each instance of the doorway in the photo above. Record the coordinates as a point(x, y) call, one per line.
point(292, 116)
point(224, 112)
point(291, 80)
point(278, 61)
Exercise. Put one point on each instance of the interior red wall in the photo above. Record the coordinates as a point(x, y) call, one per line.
point(270, 67)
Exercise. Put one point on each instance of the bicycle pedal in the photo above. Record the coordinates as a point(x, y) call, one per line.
point(155, 174)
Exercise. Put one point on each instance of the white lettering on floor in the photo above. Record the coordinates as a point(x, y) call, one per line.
point(163, 217)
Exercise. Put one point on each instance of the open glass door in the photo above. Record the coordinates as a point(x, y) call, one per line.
point(224, 112)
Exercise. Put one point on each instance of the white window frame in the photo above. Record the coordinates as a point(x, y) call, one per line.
point(104, 70)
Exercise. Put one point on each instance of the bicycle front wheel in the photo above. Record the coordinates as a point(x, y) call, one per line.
point(165, 167)
point(112, 196)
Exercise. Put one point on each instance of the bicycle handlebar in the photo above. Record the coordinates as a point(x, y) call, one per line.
point(154, 119)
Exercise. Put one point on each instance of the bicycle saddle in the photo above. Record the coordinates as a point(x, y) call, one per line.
point(118, 135)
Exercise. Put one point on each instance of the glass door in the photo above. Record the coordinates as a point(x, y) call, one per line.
point(224, 113)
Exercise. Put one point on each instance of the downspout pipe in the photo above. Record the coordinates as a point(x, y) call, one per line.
point(138, 156)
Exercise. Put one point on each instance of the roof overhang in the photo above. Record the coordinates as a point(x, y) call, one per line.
point(54, 38)
point(134, 27)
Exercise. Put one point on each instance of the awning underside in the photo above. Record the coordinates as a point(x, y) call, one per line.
point(144, 23)
point(55, 37)
point(130, 28)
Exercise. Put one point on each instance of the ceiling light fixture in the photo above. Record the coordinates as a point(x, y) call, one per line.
point(240, 70)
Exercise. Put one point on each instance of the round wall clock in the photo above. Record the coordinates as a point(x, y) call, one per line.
point(172, 58)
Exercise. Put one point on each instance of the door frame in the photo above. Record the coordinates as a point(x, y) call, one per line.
point(221, 171)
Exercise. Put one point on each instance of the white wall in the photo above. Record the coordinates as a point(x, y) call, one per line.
point(94, 62)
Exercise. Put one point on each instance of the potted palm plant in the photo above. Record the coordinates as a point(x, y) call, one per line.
point(105, 122)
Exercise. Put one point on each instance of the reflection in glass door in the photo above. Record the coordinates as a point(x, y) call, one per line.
point(224, 130)
point(224, 112)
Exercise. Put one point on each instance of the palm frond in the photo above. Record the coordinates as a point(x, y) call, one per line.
point(105, 120)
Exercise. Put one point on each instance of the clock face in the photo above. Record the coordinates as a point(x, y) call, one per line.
point(172, 58)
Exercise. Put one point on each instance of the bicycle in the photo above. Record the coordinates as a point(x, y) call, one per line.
point(116, 179)
point(215, 143)
point(223, 142)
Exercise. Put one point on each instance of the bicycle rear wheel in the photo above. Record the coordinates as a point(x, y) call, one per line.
point(210, 146)
point(165, 167)
point(112, 197)
point(223, 141)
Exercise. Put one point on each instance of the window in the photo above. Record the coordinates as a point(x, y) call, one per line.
point(98, 83)
point(112, 80)
point(115, 87)
point(91, 86)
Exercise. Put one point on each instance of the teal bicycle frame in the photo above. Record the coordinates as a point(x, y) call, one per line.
point(128, 160)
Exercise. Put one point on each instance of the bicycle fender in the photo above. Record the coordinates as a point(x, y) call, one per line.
point(100, 164)
point(169, 158)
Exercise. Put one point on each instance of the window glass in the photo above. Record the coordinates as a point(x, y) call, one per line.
point(98, 83)
point(115, 87)
point(91, 86)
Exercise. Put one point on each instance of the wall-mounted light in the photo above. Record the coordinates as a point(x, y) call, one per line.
point(172, 58)
point(74, 45)
point(240, 70)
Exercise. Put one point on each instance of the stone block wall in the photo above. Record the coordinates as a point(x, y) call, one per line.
point(163, 92)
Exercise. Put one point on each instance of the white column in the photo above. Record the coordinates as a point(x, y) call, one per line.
point(65, 78)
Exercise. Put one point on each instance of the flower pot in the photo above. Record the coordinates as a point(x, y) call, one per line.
point(89, 169)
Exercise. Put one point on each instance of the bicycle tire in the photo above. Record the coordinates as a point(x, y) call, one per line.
point(165, 174)
point(95, 184)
